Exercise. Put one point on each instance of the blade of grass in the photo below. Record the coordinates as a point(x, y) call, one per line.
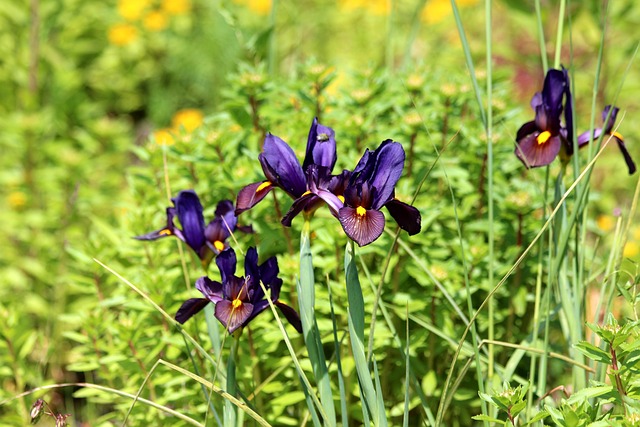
point(341, 388)
point(407, 371)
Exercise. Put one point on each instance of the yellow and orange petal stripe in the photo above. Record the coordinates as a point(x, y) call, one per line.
point(122, 34)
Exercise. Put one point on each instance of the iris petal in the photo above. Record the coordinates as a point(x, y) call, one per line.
point(279, 161)
point(627, 157)
point(298, 206)
point(407, 217)
point(189, 210)
point(534, 154)
point(584, 138)
point(233, 317)
point(321, 147)
point(388, 168)
point(361, 228)
point(251, 195)
point(189, 308)
point(608, 124)
point(226, 263)
point(210, 288)
point(291, 315)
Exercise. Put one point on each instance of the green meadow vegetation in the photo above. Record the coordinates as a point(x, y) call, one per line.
point(466, 251)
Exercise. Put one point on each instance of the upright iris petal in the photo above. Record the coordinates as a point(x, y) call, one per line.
point(609, 116)
point(540, 140)
point(238, 300)
point(283, 170)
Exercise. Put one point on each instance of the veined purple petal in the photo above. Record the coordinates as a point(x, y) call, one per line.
point(232, 317)
point(189, 211)
point(533, 154)
point(226, 263)
point(407, 217)
point(291, 315)
point(526, 129)
point(298, 206)
point(280, 162)
point(251, 195)
point(335, 204)
point(211, 289)
point(269, 273)
point(321, 146)
point(251, 265)
point(189, 308)
point(536, 100)
point(584, 137)
point(608, 124)
point(553, 91)
point(363, 228)
point(387, 172)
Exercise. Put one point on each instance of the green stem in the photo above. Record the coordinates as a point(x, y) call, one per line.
point(543, 46)
point(556, 62)
point(232, 387)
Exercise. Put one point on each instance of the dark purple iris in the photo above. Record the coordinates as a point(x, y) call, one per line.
point(370, 186)
point(238, 300)
point(283, 170)
point(205, 241)
point(607, 129)
point(540, 140)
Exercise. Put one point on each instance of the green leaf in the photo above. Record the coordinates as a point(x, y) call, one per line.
point(593, 352)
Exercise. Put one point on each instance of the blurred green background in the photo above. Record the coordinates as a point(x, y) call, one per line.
point(93, 93)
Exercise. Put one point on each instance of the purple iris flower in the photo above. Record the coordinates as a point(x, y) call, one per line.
point(205, 241)
point(282, 169)
point(370, 186)
point(238, 300)
point(607, 128)
point(540, 140)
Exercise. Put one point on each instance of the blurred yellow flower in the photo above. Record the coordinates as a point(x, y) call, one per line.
point(16, 199)
point(260, 7)
point(377, 7)
point(437, 10)
point(189, 118)
point(155, 21)
point(176, 7)
point(636, 233)
point(163, 137)
point(631, 250)
point(131, 10)
point(122, 34)
point(605, 222)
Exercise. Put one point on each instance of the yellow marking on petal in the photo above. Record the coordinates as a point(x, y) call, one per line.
point(236, 303)
point(360, 211)
point(218, 245)
point(263, 186)
point(165, 232)
point(618, 135)
point(306, 193)
point(543, 137)
point(341, 198)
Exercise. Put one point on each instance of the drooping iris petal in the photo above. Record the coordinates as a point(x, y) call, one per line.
point(226, 263)
point(627, 157)
point(269, 274)
point(298, 206)
point(233, 314)
point(189, 308)
point(387, 172)
point(321, 147)
point(291, 315)
point(407, 217)
point(568, 110)
point(168, 230)
point(251, 195)
point(361, 227)
point(279, 161)
point(211, 289)
point(533, 152)
point(584, 137)
point(189, 211)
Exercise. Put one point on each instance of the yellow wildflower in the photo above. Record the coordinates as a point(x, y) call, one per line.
point(17, 199)
point(155, 21)
point(260, 7)
point(122, 34)
point(631, 250)
point(189, 118)
point(131, 10)
point(176, 7)
point(605, 222)
point(636, 233)
point(437, 10)
point(163, 137)
point(377, 7)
